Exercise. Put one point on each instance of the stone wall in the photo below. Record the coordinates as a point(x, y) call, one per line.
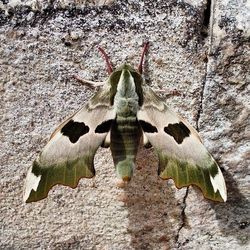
point(200, 48)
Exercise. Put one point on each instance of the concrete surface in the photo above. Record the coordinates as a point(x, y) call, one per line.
point(200, 48)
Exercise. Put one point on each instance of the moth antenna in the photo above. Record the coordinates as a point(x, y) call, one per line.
point(145, 50)
point(108, 63)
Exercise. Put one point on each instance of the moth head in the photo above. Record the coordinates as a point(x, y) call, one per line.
point(116, 74)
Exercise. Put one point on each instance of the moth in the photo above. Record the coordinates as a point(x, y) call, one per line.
point(122, 112)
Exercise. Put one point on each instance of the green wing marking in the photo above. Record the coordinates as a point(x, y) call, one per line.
point(185, 173)
point(67, 173)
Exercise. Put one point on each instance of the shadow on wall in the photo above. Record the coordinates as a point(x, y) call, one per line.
point(234, 215)
point(153, 211)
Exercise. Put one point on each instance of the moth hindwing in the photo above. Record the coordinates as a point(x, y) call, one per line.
point(122, 112)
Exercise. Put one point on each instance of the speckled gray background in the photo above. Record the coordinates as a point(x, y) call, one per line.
point(200, 48)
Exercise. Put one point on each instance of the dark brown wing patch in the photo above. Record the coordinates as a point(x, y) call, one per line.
point(177, 130)
point(104, 127)
point(147, 127)
point(74, 130)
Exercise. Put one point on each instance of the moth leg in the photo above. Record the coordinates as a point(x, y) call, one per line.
point(88, 83)
point(173, 92)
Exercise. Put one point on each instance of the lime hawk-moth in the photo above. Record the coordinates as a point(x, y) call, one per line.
point(122, 112)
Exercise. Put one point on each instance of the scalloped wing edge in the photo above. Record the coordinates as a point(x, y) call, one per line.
point(41, 179)
point(210, 179)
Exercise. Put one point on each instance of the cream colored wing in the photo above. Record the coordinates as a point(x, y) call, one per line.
point(182, 156)
point(69, 154)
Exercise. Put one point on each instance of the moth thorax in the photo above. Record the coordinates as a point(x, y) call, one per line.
point(126, 99)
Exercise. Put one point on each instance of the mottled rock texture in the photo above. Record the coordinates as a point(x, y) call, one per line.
point(200, 48)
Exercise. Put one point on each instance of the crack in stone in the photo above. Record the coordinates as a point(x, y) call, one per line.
point(210, 22)
point(183, 218)
point(200, 109)
point(207, 14)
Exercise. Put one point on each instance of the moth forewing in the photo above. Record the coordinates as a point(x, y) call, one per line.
point(182, 156)
point(69, 154)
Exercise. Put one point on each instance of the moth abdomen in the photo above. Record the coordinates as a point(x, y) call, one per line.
point(127, 125)
point(125, 138)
